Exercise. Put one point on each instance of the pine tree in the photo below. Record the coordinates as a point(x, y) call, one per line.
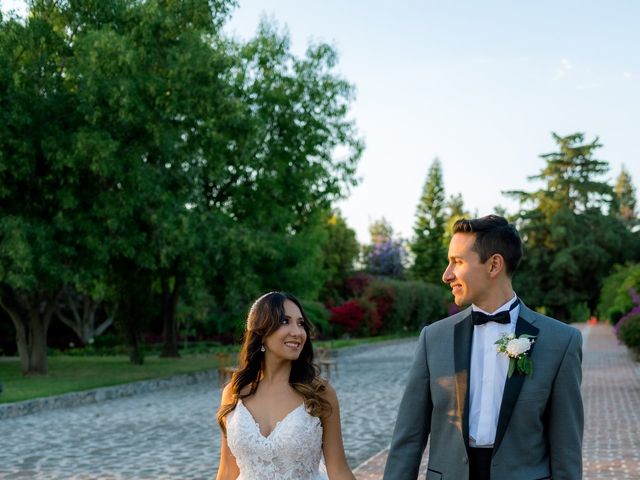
point(626, 198)
point(571, 239)
point(572, 178)
point(428, 245)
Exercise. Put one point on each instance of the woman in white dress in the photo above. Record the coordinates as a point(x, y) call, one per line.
point(279, 419)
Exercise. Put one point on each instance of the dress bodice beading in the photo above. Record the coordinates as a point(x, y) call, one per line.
point(292, 451)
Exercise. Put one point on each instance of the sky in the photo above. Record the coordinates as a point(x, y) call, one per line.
point(479, 85)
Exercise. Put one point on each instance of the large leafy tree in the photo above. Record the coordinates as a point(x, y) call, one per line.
point(283, 173)
point(141, 151)
point(572, 237)
point(153, 97)
point(41, 237)
point(428, 245)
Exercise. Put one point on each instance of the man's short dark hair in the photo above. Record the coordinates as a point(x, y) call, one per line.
point(493, 235)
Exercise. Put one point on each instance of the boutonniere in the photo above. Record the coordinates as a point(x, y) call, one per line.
point(517, 349)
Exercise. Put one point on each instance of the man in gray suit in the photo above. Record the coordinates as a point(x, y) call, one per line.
point(511, 415)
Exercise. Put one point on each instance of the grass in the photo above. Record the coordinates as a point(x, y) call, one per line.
point(78, 373)
point(352, 342)
point(73, 374)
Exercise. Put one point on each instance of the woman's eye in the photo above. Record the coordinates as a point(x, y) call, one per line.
point(284, 321)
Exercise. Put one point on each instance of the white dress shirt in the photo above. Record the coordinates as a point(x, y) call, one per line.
point(487, 377)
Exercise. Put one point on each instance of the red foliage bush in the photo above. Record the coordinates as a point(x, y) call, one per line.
point(356, 316)
point(383, 296)
point(347, 316)
point(356, 284)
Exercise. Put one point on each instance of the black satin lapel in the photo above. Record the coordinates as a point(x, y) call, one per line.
point(462, 359)
point(513, 386)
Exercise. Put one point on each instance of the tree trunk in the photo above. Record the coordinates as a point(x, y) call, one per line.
point(130, 325)
point(132, 285)
point(169, 323)
point(83, 310)
point(31, 318)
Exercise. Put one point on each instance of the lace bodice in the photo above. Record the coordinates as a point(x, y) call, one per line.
point(292, 451)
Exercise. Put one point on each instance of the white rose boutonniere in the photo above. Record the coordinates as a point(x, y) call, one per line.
point(517, 349)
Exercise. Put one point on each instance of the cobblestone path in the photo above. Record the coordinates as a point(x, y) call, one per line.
point(611, 395)
point(173, 434)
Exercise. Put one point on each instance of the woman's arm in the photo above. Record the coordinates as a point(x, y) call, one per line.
point(332, 446)
point(228, 468)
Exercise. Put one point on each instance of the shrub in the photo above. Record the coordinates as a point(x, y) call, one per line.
point(416, 304)
point(630, 333)
point(579, 312)
point(607, 306)
point(356, 284)
point(318, 316)
point(383, 296)
point(635, 311)
point(623, 301)
point(355, 317)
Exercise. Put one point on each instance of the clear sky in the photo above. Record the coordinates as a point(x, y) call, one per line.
point(480, 85)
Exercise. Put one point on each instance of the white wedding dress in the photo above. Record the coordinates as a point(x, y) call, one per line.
point(292, 451)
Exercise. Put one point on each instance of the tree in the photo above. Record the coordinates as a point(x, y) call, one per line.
point(282, 174)
point(571, 178)
point(140, 147)
point(626, 198)
point(38, 243)
point(386, 255)
point(339, 254)
point(572, 238)
point(455, 212)
point(428, 245)
point(81, 313)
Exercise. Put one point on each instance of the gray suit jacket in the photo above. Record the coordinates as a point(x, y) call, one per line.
point(540, 425)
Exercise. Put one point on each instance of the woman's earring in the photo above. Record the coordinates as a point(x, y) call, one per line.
point(262, 349)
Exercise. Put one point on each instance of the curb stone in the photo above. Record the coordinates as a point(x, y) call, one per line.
point(74, 399)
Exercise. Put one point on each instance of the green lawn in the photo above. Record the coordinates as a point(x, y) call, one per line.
point(72, 374)
point(78, 373)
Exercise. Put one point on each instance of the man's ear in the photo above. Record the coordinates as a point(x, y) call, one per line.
point(496, 264)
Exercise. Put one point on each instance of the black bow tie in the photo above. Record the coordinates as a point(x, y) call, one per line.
point(479, 318)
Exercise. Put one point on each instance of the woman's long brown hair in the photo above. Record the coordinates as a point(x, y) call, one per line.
point(264, 318)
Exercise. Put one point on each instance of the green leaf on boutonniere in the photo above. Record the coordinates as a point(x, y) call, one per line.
point(524, 365)
point(512, 367)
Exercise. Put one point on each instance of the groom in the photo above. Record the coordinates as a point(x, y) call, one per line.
point(487, 422)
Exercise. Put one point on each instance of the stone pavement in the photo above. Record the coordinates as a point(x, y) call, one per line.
point(611, 394)
point(173, 434)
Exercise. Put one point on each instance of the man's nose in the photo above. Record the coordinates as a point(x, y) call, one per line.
point(447, 276)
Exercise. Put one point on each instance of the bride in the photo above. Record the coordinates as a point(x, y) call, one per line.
point(279, 419)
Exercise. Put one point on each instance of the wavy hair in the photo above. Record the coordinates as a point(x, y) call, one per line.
point(264, 318)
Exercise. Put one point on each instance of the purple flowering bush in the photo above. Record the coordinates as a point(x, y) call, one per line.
point(628, 327)
point(386, 259)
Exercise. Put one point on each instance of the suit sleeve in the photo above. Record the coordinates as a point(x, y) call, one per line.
point(566, 415)
point(413, 422)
